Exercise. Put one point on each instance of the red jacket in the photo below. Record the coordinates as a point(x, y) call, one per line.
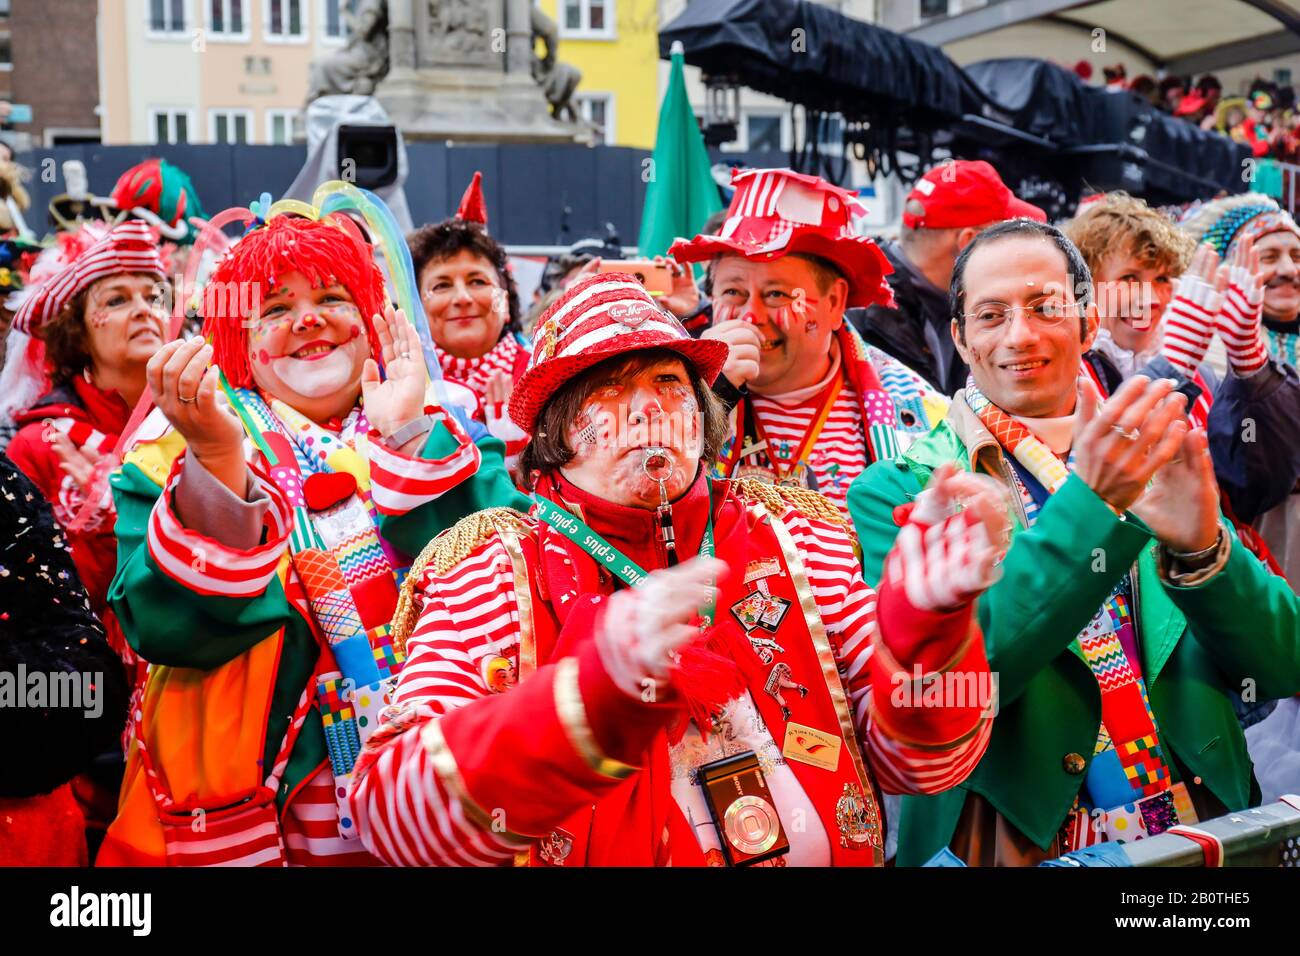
point(90, 417)
point(565, 768)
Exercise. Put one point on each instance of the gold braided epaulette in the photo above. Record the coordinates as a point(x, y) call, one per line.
point(776, 498)
point(445, 552)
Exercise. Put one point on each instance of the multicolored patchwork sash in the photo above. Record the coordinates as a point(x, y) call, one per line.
point(1128, 769)
point(351, 578)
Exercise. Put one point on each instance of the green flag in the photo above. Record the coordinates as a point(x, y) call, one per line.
point(680, 193)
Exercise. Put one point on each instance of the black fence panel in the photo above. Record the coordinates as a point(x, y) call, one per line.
point(535, 194)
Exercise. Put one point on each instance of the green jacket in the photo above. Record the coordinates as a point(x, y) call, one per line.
point(170, 625)
point(1199, 645)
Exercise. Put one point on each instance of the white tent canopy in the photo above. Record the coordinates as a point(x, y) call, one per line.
point(1177, 36)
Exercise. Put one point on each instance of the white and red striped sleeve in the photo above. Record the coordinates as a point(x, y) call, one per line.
point(1189, 325)
point(1239, 322)
point(943, 745)
point(401, 483)
point(467, 777)
point(203, 564)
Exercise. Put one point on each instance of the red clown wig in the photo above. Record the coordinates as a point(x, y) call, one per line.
point(325, 252)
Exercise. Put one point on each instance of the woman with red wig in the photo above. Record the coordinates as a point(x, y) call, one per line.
point(266, 515)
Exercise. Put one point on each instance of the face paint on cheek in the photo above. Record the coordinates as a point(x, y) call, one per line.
point(681, 395)
point(584, 426)
point(810, 326)
point(263, 357)
point(99, 318)
point(781, 318)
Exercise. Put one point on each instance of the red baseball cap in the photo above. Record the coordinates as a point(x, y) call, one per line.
point(965, 193)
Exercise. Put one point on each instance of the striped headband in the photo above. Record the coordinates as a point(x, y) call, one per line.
point(126, 248)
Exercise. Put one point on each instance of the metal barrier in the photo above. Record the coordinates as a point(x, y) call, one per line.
point(1263, 836)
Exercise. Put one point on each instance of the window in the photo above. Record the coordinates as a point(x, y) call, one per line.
point(170, 125)
point(933, 8)
point(598, 109)
point(4, 8)
point(588, 18)
point(229, 126)
point(284, 20)
point(830, 134)
point(226, 19)
point(6, 52)
point(334, 21)
point(282, 126)
point(763, 132)
point(167, 16)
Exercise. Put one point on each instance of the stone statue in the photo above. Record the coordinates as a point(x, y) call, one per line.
point(466, 71)
point(459, 26)
point(362, 63)
point(558, 80)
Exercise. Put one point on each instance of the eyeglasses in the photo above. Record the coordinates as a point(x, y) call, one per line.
point(994, 316)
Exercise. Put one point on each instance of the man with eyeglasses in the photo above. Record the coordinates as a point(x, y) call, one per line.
point(1128, 610)
point(813, 404)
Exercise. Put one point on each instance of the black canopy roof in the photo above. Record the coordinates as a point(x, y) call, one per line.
point(1030, 118)
point(809, 54)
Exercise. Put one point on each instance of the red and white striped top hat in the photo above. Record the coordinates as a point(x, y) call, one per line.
point(129, 247)
point(777, 212)
point(598, 317)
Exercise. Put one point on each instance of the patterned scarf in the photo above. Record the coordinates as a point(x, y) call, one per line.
point(1128, 778)
point(476, 372)
point(350, 576)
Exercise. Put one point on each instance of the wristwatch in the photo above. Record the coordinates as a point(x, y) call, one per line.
point(412, 429)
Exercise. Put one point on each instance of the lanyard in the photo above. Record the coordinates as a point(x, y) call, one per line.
point(614, 560)
point(828, 397)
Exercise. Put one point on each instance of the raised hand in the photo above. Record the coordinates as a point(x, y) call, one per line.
point(685, 297)
point(1119, 446)
point(496, 405)
point(744, 347)
point(185, 388)
point(645, 626)
point(1241, 316)
point(1190, 325)
point(399, 399)
point(79, 463)
point(948, 551)
point(1182, 503)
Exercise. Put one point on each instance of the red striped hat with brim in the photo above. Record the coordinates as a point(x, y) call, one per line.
point(126, 248)
point(597, 318)
point(778, 212)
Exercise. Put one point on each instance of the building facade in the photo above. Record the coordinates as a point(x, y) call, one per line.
point(48, 62)
point(615, 43)
point(210, 71)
